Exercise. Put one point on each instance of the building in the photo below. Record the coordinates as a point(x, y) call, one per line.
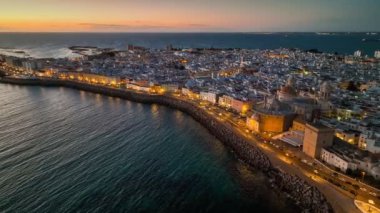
point(370, 165)
point(307, 108)
point(272, 116)
point(91, 78)
point(349, 136)
point(237, 105)
point(140, 85)
point(32, 65)
point(370, 142)
point(225, 101)
point(209, 96)
point(170, 87)
point(299, 125)
point(337, 160)
point(189, 93)
point(377, 54)
point(13, 61)
point(358, 53)
point(287, 92)
point(45, 73)
point(316, 137)
point(325, 105)
point(240, 106)
point(253, 123)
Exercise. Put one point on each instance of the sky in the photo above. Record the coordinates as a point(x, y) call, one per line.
point(189, 15)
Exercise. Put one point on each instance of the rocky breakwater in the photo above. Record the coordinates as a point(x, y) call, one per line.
point(309, 198)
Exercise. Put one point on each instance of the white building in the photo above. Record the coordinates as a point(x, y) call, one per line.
point(138, 87)
point(334, 159)
point(377, 54)
point(209, 96)
point(170, 87)
point(370, 142)
point(369, 166)
point(358, 53)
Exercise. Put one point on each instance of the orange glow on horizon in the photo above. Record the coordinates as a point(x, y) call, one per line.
point(72, 26)
point(185, 15)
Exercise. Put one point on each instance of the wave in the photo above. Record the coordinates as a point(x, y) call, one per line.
point(39, 52)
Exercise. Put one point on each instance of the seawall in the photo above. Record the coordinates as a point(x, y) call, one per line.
point(308, 197)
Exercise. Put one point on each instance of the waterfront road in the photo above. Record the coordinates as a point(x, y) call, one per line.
point(342, 201)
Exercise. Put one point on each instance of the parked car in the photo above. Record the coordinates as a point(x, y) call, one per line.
point(353, 192)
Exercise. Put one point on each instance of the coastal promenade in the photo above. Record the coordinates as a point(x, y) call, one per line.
point(284, 176)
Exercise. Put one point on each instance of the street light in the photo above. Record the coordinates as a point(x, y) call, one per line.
point(363, 174)
point(372, 203)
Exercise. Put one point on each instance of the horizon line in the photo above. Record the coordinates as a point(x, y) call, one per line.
point(184, 32)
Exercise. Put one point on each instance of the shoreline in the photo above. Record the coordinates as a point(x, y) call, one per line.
point(307, 196)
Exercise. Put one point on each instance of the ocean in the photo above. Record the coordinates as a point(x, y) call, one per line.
point(64, 150)
point(56, 44)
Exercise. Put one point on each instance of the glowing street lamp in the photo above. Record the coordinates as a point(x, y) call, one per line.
point(363, 174)
point(372, 203)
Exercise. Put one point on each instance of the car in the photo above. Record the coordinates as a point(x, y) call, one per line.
point(373, 194)
point(356, 186)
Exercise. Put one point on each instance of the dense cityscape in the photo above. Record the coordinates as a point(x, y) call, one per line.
point(317, 112)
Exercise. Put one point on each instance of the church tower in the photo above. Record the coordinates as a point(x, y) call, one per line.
point(325, 91)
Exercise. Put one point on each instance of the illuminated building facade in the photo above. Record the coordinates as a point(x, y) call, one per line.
point(170, 87)
point(349, 136)
point(240, 106)
point(225, 101)
point(299, 125)
point(91, 78)
point(209, 96)
point(272, 116)
point(370, 142)
point(237, 105)
point(189, 93)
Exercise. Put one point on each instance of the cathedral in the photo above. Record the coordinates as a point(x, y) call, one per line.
point(277, 112)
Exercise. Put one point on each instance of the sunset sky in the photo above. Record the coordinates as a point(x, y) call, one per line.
point(188, 15)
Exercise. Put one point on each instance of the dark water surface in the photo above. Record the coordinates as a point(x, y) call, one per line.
point(63, 150)
point(56, 44)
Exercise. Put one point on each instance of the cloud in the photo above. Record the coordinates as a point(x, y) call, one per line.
point(120, 26)
point(139, 25)
point(198, 25)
